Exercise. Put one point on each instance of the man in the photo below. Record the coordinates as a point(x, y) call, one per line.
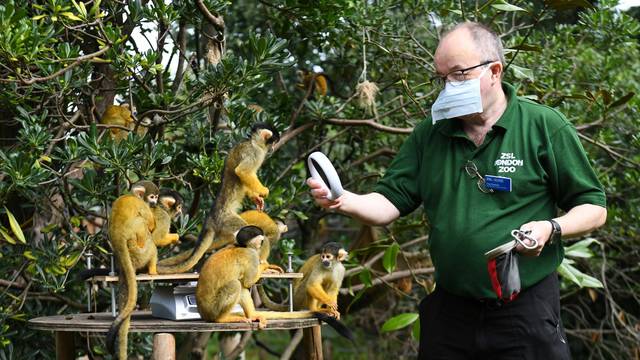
point(481, 129)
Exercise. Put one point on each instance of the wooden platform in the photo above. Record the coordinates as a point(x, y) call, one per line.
point(187, 277)
point(64, 327)
point(142, 321)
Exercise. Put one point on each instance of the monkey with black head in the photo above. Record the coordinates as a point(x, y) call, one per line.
point(239, 180)
point(226, 277)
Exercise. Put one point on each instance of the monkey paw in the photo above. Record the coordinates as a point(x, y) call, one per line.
point(331, 312)
point(275, 269)
point(263, 191)
point(259, 201)
point(333, 306)
point(262, 321)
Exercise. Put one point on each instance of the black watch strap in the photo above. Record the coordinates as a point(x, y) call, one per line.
point(556, 231)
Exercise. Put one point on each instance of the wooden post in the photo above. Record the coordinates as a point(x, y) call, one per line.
point(312, 339)
point(164, 347)
point(65, 348)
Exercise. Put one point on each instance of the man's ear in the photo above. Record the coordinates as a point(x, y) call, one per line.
point(496, 70)
point(342, 255)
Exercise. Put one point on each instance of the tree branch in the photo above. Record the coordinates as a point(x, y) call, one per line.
point(389, 277)
point(376, 257)
point(216, 21)
point(369, 122)
point(78, 61)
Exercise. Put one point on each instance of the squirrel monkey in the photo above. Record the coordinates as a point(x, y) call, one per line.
point(320, 82)
point(316, 294)
point(169, 206)
point(131, 223)
point(122, 115)
point(239, 179)
point(226, 277)
point(318, 289)
point(118, 115)
point(272, 229)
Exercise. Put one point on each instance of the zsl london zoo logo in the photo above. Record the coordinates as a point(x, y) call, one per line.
point(508, 162)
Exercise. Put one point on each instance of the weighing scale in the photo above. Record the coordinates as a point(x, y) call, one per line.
point(175, 302)
point(322, 170)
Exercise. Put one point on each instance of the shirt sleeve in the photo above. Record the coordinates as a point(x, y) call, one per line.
point(400, 182)
point(573, 180)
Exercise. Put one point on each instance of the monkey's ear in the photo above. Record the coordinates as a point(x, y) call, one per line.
point(266, 134)
point(138, 190)
point(168, 201)
point(342, 255)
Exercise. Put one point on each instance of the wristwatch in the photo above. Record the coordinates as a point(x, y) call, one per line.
point(556, 231)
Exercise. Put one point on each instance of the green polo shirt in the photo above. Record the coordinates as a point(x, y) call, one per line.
point(532, 144)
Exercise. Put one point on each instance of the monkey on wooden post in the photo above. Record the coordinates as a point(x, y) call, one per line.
point(131, 223)
point(239, 179)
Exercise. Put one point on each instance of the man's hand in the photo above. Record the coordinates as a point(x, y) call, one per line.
point(541, 231)
point(319, 192)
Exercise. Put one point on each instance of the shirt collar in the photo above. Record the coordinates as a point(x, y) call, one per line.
point(453, 127)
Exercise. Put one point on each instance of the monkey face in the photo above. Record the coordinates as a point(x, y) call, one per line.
point(327, 260)
point(151, 199)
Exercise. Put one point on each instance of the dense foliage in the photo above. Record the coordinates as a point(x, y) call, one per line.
point(199, 73)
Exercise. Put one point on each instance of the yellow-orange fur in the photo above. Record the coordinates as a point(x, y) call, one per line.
point(272, 231)
point(225, 280)
point(169, 206)
point(239, 180)
point(131, 223)
point(318, 289)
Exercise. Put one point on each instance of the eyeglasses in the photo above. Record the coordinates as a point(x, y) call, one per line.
point(456, 77)
point(472, 170)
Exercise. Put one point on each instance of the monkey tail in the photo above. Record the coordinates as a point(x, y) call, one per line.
point(336, 324)
point(129, 293)
point(205, 239)
point(270, 304)
point(89, 273)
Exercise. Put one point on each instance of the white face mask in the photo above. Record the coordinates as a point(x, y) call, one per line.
point(458, 98)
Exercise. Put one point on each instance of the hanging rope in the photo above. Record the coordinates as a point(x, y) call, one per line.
point(366, 91)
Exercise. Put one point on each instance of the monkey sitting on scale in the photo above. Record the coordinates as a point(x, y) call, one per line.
point(227, 276)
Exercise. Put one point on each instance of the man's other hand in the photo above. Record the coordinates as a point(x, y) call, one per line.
point(541, 231)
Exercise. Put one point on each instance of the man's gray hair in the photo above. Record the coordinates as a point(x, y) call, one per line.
point(487, 41)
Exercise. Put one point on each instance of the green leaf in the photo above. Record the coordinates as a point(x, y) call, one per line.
point(621, 101)
point(365, 277)
point(581, 279)
point(507, 7)
point(527, 47)
point(71, 16)
point(15, 226)
point(580, 249)
point(390, 256)
point(415, 332)
point(6, 236)
point(399, 322)
point(38, 17)
point(521, 73)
